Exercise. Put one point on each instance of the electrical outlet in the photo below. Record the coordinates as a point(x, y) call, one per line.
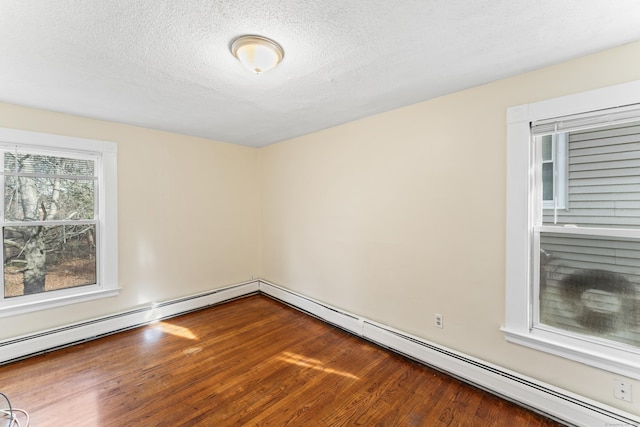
point(622, 390)
point(438, 320)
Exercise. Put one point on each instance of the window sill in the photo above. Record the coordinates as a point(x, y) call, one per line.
point(16, 308)
point(608, 358)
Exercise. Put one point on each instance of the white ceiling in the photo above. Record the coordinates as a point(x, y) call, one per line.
point(165, 64)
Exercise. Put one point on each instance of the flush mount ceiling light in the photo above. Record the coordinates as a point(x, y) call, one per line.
point(258, 54)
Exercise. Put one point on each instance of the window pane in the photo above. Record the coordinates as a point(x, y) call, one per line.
point(47, 165)
point(591, 285)
point(547, 148)
point(40, 199)
point(41, 259)
point(547, 181)
point(604, 178)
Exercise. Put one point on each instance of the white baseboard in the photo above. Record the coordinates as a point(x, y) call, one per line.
point(20, 347)
point(551, 401)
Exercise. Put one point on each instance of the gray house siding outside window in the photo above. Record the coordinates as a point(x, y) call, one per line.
point(591, 284)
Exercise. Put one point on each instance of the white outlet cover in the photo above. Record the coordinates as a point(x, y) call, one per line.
point(622, 390)
point(438, 320)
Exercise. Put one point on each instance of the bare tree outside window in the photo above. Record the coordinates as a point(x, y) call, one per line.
point(50, 229)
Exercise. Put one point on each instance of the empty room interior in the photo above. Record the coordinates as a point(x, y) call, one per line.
point(454, 184)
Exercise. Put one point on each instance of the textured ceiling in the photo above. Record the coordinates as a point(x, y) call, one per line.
point(165, 64)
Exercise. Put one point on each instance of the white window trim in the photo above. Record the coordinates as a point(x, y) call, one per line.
point(107, 275)
point(518, 326)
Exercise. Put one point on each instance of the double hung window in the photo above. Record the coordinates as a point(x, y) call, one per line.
point(573, 227)
point(58, 220)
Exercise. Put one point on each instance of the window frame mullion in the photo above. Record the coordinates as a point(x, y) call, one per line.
point(629, 233)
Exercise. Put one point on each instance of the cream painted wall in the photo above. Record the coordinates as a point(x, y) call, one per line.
point(188, 215)
point(401, 215)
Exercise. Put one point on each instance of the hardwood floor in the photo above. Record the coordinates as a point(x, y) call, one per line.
point(252, 361)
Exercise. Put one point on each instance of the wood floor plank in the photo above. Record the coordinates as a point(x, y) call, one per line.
point(253, 361)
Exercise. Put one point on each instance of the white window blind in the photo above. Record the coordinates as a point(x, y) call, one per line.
point(618, 115)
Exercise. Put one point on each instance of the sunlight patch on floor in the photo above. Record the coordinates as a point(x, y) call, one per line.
point(156, 330)
point(179, 331)
point(306, 362)
point(191, 351)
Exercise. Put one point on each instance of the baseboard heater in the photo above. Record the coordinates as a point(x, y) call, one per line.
point(553, 402)
point(53, 339)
